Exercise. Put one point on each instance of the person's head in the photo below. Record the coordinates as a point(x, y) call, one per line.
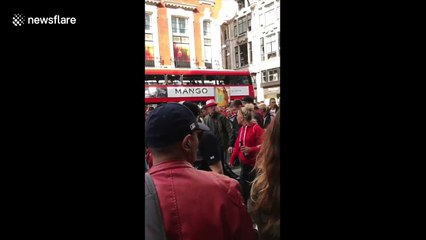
point(171, 133)
point(203, 111)
point(235, 106)
point(211, 106)
point(262, 107)
point(228, 111)
point(272, 103)
point(265, 190)
point(246, 114)
point(193, 107)
point(247, 99)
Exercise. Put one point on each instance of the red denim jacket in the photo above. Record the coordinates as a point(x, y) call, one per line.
point(200, 205)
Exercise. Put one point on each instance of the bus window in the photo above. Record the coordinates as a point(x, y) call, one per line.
point(154, 79)
point(210, 80)
point(222, 80)
point(238, 80)
point(192, 79)
point(174, 79)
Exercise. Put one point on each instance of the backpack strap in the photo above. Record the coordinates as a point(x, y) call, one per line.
point(154, 227)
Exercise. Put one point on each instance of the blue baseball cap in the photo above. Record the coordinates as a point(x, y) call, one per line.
point(170, 123)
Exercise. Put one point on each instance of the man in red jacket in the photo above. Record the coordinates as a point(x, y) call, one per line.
point(194, 204)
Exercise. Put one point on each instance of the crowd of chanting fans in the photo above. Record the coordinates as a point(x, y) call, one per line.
point(215, 141)
point(263, 113)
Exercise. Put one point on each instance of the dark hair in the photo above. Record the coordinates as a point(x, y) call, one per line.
point(236, 103)
point(248, 99)
point(193, 107)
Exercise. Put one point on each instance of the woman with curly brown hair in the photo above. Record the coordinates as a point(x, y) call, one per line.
point(264, 203)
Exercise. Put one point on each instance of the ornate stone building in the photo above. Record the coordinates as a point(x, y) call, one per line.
point(182, 34)
point(251, 41)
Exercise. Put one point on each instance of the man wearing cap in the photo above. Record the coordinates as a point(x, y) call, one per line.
point(220, 126)
point(194, 204)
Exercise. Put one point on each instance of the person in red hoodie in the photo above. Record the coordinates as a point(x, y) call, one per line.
point(247, 146)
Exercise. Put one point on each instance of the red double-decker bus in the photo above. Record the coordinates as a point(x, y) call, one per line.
point(195, 85)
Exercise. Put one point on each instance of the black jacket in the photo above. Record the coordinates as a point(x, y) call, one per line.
point(235, 129)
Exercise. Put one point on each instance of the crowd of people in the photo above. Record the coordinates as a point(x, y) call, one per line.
point(190, 154)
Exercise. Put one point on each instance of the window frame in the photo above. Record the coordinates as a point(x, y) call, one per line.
point(241, 52)
point(236, 54)
point(250, 50)
point(207, 44)
point(178, 26)
point(270, 40)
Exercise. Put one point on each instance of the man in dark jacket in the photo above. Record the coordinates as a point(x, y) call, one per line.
point(208, 157)
point(194, 204)
point(219, 126)
point(235, 106)
point(266, 115)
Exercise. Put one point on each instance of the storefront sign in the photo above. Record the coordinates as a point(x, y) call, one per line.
point(190, 91)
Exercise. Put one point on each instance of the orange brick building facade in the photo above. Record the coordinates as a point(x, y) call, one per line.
point(183, 34)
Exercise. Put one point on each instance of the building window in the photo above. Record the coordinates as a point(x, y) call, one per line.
point(241, 4)
point(249, 22)
point(271, 75)
point(235, 28)
point(271, 46)
point(270, 16)
point(250, 53)
point(181, 51)
point(261, 18)
point(264, 77)
point(262, 49)
point(228, 58)
point(225, 34)
point(207, 44)
point(149, 41)
point(206, 28)
point(279, 43)
point(243, 55)
point(148, 22)
point(274, 75)
point(179, 25)
point(237, 65)
point(242, 26)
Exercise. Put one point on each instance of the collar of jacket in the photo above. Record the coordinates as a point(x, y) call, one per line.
point(169, 164)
